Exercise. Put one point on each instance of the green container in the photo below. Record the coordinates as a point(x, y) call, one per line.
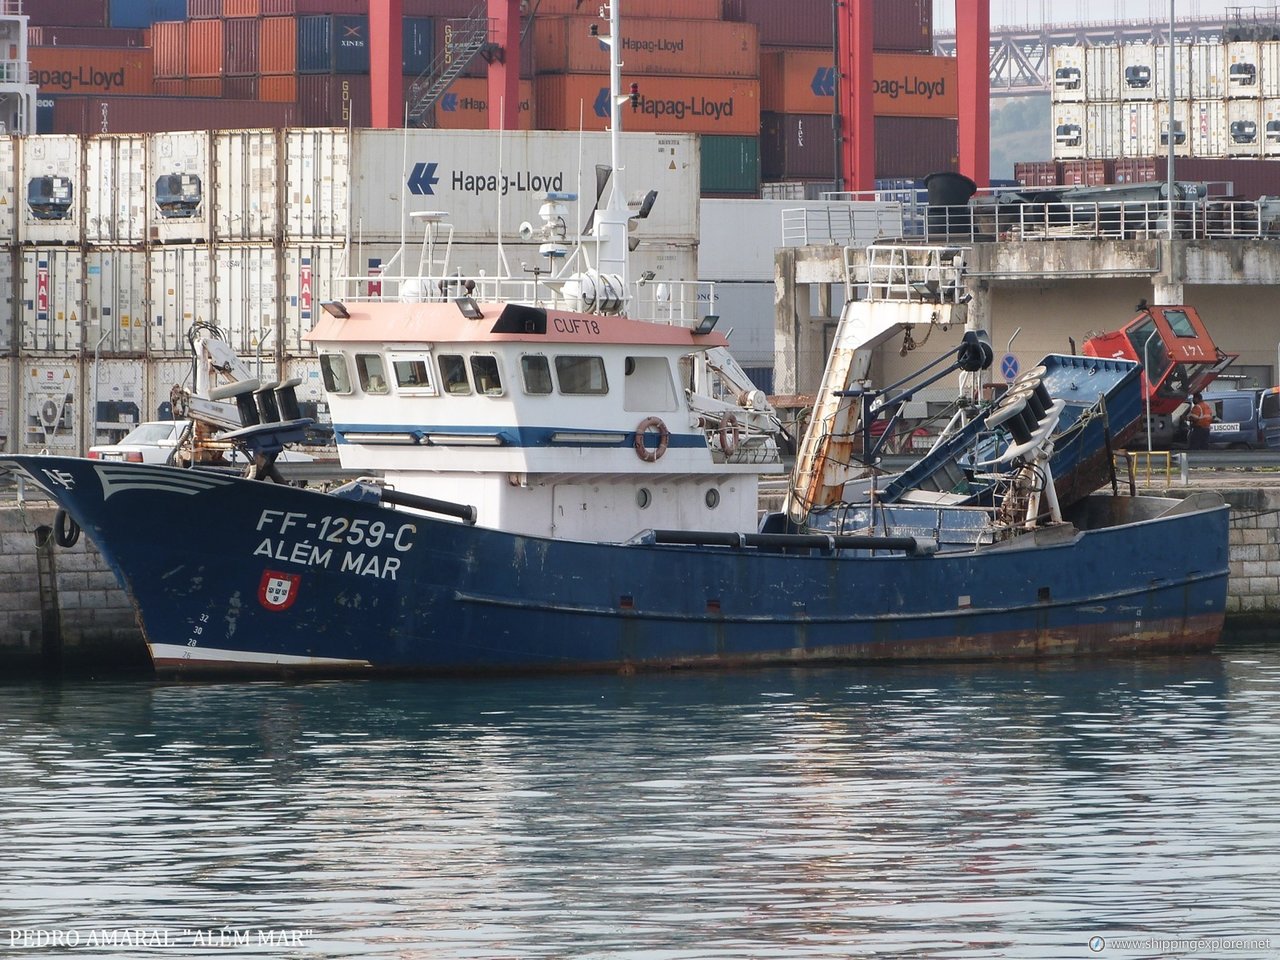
point(730, 165)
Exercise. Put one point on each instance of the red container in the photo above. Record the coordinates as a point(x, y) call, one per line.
point(240, 88)
point(170, 88)
point(1042, 173)
point(334, 100)
point(169, 44)
point(916, 146)
point(800, 147)
point(241, 8)
point(85, 37)
point(204, 48)
point(66, 13)
point(478, 67)
point(1092, 173)
point(903, 25)
point(203, 87)
point(1239, 177)
point(204, 9)
point(240, 48)
point(86, 115)
point(278, 45)
point(278, 89)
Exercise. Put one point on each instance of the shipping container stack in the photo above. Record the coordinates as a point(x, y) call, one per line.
point(915, 100)
point(1111, 115)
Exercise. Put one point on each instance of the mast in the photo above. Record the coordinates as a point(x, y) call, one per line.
point(611, 222)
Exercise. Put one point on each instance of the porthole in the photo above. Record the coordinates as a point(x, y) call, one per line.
point(713, 498)
point(643, 498)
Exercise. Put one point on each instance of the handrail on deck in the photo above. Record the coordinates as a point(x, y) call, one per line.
point(1135, 457)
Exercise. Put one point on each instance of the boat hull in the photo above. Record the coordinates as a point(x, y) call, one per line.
point(251, 578)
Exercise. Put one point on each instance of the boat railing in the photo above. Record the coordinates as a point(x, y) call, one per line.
point(905, 272)
point(992, 218)
point(664, 301)
point(842, 223)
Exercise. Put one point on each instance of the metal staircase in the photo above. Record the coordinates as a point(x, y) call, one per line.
point(465, 38)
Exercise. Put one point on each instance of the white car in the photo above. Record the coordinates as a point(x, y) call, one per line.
point(157, 441)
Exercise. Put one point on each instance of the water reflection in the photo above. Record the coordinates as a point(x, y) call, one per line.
point(911, 810)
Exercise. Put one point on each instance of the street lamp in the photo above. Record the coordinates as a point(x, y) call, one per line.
point(1146, 372)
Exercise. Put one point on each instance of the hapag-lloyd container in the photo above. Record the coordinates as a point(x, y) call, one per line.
point(712, 105)
point(1102, 72)
point(181, 295)
point(469, 174)
point(906, 84)
point(51, 305)
point(641, 9)
point(115, 302)
point(1244, 128)
point(115, 189)
point(8, 192)
point(246, 191)
point(316, 192)
point(466, 105)
point(691, 48)
point(179, 187)
point(51, 188)
point(92, 70)
point(50, 406)
point(1138, 71)
point(245, 294)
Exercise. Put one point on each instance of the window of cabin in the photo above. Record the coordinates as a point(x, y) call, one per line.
point(1179, 323)
point(453, 374)
point(484, 371)
point(334, 372)
point(536, 373)
point(372, 373)
point(581, 375)
point(647, 384)
point(412, 373)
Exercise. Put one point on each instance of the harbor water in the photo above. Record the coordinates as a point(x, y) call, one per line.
point(1099, 808)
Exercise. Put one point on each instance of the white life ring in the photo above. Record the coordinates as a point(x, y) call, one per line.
point(664, 437)
point(730, 435)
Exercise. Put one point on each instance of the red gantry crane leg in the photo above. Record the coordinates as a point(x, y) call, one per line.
point(504, 65)
point(854, 45)
point(386, 54)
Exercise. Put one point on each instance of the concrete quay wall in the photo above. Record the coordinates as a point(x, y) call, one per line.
point(62, 607)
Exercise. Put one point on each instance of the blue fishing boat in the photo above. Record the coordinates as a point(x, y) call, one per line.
point(564, 473)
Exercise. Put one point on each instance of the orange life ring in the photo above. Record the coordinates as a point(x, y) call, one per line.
point(664, 437)
point(730, 435)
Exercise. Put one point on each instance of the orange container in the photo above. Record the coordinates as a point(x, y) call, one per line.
point(715, 105)
point(685, 48)
point(465, 105)
point(204, 48)
point(907, 84)
point(241, 8)
point(278, 45)
point(636, 10)
point(92, 70)
point(203, 87)
point(169, 45)
point(278, 89)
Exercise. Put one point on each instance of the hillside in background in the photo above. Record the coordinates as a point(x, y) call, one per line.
point(1020, 131)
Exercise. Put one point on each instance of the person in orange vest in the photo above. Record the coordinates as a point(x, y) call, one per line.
point(1199, 417)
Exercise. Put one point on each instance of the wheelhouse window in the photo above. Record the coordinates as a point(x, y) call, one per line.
point(453, 374)
point(372, 373)
point(581, 375)
point(412, 373)
point(486, 375)
point(1180, 323)
point(334, 372)
point(647, 384)
point(536, 373)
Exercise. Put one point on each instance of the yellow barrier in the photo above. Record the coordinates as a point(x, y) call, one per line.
point(1133, 458)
